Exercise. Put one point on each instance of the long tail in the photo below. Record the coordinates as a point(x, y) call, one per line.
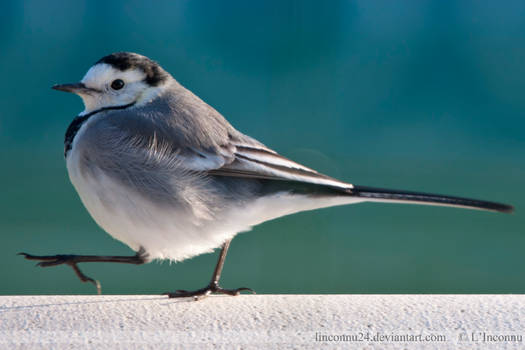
point(384, 195)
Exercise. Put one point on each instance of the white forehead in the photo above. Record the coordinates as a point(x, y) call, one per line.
point(103, 73)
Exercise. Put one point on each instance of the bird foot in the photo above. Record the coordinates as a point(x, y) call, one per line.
point(204, 292)
point(55, 260)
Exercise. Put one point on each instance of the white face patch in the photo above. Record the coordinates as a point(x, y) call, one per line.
point(102, 75)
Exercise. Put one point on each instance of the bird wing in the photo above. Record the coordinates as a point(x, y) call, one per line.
point(257, 161)
point(196, 138)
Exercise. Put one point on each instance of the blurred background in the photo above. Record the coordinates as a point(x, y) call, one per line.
point(417, 95)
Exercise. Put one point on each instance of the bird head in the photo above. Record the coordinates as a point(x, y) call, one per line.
point(119, 80)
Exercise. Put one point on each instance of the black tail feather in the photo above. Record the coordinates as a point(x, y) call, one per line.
point(381, 194)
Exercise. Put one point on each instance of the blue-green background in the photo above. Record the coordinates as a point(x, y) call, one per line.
point(420, 95)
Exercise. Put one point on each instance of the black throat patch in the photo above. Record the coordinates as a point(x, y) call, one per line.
point(77, 123)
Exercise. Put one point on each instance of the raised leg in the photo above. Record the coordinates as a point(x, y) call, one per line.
point(213, 287)
point(73, 260)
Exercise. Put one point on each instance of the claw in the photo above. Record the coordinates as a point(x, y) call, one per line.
point(51, 263)
point(85, 278)
point(244, 289)
point(36, 257)
point(204, 292)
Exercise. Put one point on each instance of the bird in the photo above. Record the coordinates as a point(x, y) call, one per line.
point(166, 174)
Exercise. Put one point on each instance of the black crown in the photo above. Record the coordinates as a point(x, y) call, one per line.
point(127, 60)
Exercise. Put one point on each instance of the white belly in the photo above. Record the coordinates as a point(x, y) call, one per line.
point(125, 215)
point(167, 234)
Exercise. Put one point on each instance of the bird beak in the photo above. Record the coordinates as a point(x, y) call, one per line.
point(77, 88)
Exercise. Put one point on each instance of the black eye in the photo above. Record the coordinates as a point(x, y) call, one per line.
point(117, 84)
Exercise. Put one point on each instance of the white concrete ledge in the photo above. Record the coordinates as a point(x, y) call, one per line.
point(264, 321)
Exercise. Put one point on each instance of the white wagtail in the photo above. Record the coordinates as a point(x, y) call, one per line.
point(165, 173)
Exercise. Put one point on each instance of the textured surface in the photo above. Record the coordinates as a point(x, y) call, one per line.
point(268, 321)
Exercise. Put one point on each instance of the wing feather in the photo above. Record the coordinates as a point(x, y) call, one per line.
point(261, 162)
point(197, 138)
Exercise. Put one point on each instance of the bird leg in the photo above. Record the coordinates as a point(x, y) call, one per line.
point(73, 260)
point(213, 287)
